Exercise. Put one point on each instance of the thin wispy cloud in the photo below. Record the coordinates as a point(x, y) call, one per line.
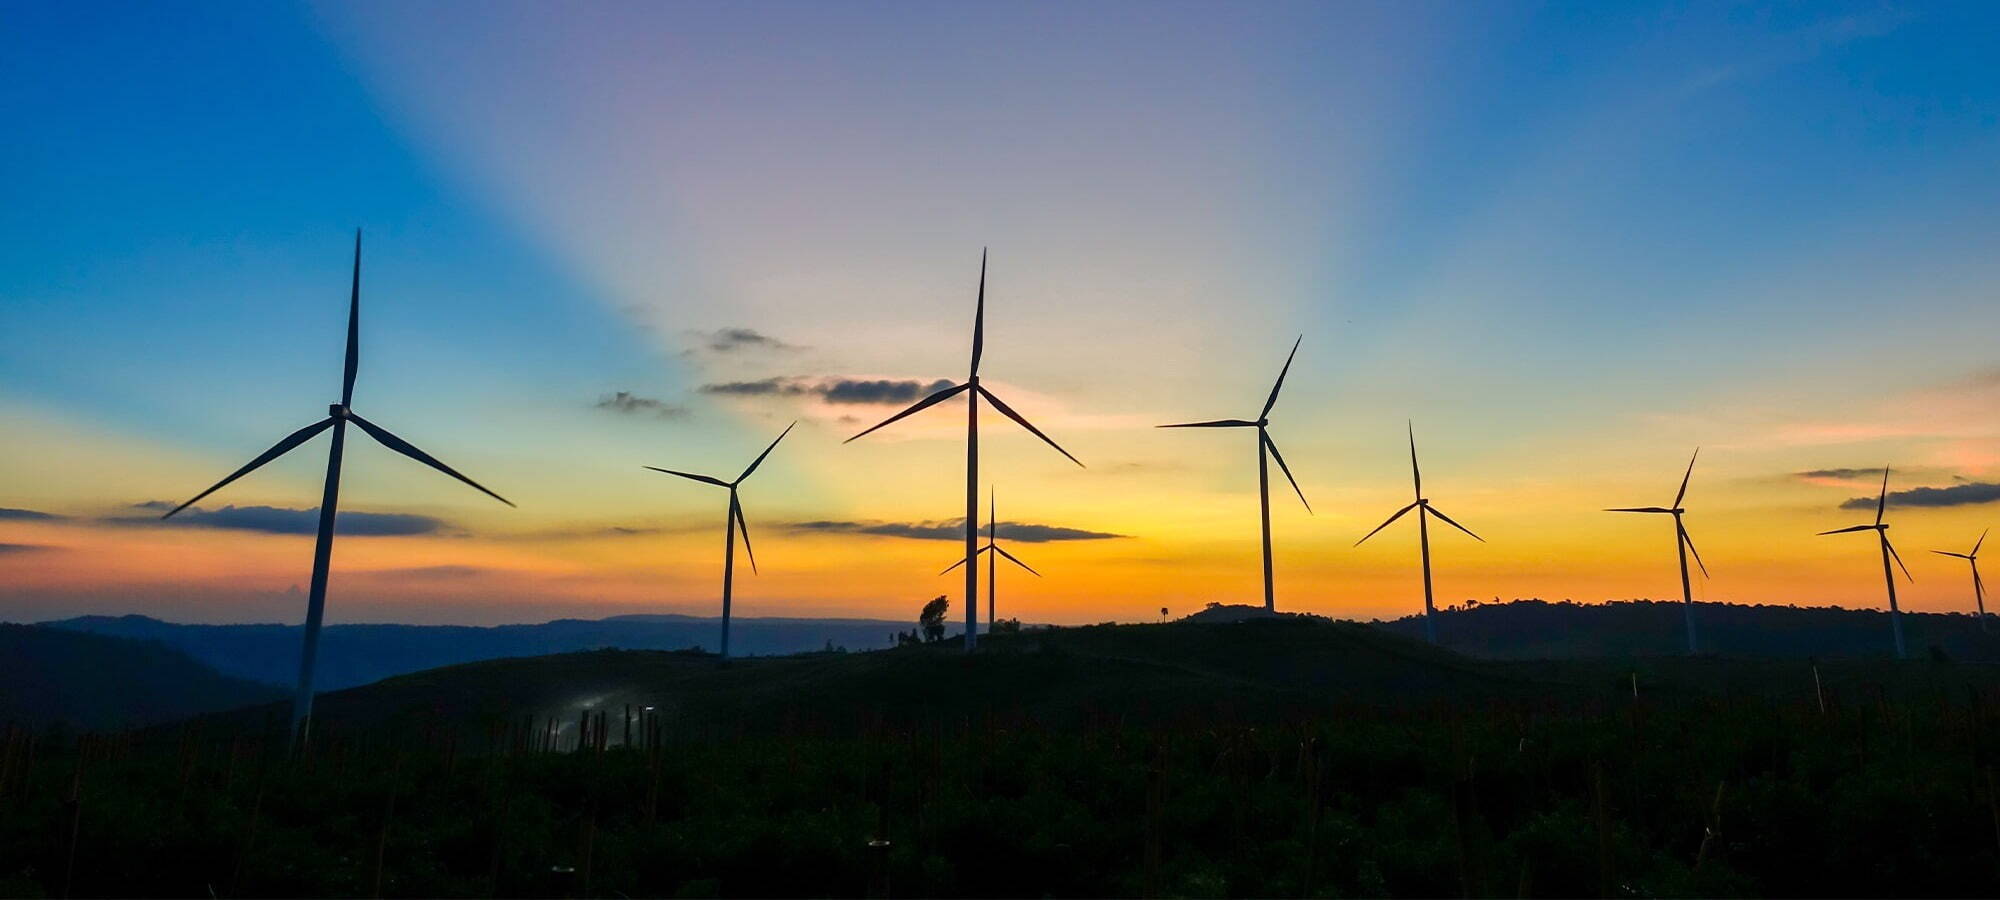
point(284, 520)
point(831, 389)
point(23, 548)
point(12, 514)
point(954, 530)
point(1967, 494)
point(628, 403)
point(735, 340)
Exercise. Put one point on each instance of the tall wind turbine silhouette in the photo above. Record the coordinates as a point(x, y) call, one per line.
point(993, 552)
point(1683, 544)
point(732, 523)
point(1888, 552)
point(1267, 450)
point(974, 391)
point(1424, 509)
point(338, 415)
point(1978, 587)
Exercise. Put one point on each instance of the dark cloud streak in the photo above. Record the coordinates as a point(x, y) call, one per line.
point(9, 513)
point(282, 520)
point(954, 529)
point(1967, 494)
point(856, 391)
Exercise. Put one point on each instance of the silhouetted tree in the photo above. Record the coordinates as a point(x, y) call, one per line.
point(932, 618)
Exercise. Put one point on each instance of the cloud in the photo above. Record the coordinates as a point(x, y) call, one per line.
point(1812, 474)
point(629, 403)
point(27, 514)
point(833, 389)
point(1966, 494)
point(954, 530)
point(281, 520)
point(731, 340)
point(22, 548)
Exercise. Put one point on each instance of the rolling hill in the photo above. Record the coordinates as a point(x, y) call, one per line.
point(90, 681)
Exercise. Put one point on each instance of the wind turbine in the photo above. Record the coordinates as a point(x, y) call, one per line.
point(1683, 544)
point(732, 523)
point(1978, 587)
point(1424, 509)
point(1888, 552)
point(993, 552)
point(338, 415)
point(1267, 450)
point(974, 391)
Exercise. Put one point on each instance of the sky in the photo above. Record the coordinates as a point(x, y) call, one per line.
point(1566, 244)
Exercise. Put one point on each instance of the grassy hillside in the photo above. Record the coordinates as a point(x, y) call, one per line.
point(88, 681)
point(1277, 757)
point(1536, 629)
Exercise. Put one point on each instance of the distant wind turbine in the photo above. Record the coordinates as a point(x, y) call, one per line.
point(993, 552)
point(731, 524)
point(1978, 587)
point(1424, 509)
point(338, 415)
point(1683, 544)
point(974, 391)
point(1888, 552)
point(1267, 450)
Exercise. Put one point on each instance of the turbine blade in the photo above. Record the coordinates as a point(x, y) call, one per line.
point(1218, 423)
point(1416, 474)
point(1689, 540)
point(743, 526)
point(1643, 509)
point(1683, 492)
point(917, 407)
point(1273, 399)
point(410, 450)
point(1848, 529)
point(1949, 553)
point(1272, 446)
point(1448, 521)
point(701, 478)
point(1010, 558)
point(279, 449)
point(1009, 412)
point(1882, 502)
point(1978, 586)
point(353, 328)
point(1976, 544)
point(767, 452)
point(961, 561)
point(1898, 558)
point(1398, 515)
point(979, 317)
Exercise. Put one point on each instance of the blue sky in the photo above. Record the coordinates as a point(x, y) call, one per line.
point(1570, 240)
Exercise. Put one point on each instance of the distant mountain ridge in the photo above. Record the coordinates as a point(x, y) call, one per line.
point(357, 654)
point(94, 681)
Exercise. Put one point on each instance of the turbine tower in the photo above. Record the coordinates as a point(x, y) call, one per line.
point(973, 391)
point(993, 552)
point(1978, 587)
point(1888, 552)
point(1267, 450)
point(1424, 510)
point(732, 523)
point(1683, 545)
point(338, 415)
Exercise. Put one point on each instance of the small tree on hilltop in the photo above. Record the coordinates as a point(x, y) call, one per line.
point(932, 619)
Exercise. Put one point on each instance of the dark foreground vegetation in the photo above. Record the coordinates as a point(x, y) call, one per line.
point(1267, 758)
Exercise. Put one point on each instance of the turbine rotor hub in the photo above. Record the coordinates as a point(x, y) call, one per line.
point(336, 410)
